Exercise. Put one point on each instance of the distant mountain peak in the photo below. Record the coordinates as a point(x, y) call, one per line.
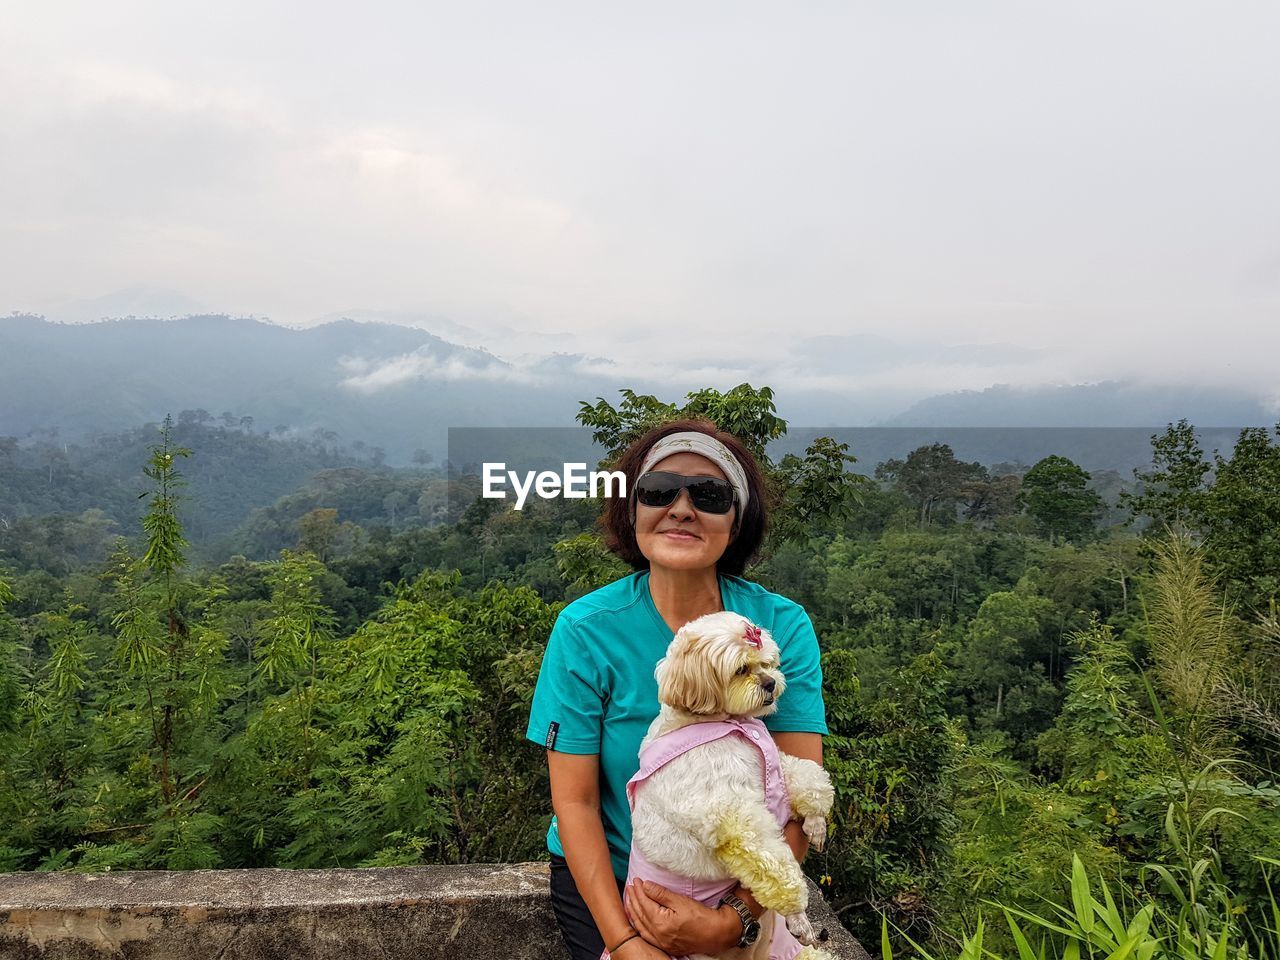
point(1102, 403)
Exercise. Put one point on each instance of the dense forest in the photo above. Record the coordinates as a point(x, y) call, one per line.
point(1054, 710)
point(62, 503)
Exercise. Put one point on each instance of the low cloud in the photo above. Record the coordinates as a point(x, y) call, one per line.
point(372, 376)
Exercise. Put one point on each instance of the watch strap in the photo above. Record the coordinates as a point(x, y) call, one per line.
point(750, 925)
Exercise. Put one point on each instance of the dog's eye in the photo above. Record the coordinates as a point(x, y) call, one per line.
point(743, 670)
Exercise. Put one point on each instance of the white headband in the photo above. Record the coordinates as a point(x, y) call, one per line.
point(693, 441)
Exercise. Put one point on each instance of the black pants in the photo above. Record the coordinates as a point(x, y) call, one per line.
point(572, 916)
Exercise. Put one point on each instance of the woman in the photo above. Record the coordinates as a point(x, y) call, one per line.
point(694, 517)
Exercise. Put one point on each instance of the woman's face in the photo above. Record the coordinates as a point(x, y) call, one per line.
point(679, 537)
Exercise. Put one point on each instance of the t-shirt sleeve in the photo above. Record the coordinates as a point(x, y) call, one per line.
point(568, 700)
point(800, 708)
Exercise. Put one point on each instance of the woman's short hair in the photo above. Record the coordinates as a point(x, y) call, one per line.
point(620, 535)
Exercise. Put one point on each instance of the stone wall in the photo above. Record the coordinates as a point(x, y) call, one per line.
point(402, 913)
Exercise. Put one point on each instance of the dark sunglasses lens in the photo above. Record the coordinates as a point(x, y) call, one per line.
point(658, 489)
point(711, 495)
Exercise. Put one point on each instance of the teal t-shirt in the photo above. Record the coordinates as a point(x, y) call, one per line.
point(596, 692)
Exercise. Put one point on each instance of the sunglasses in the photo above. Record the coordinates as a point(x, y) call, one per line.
point(708, 494)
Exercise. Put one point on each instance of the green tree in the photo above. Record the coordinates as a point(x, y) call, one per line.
point(1172, 493)
point(1000, 666)
point(164, 558)
point(318, 531)
point(1057, 497)
point(933, 479)
point(890, 757)
point(295, 640)
point(1088, 735)
point(393, 503)
point(48, 763)
point(585, 564)
point(914, 574)
point(805, 489)
point(616, 428)
point(1242, 517)
point(10, 689)
point(418, 738)
point(749, 414)
point(987, 501)
point(816, 490)
point(172, 662)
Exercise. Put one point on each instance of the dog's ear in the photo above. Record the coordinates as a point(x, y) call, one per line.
point(687, 678)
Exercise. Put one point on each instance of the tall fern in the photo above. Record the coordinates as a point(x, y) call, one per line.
point(1253, 692)
point(1194, 643)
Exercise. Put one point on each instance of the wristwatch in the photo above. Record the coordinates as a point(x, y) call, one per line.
point(750, 925)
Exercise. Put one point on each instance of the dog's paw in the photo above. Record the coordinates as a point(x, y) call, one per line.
point(801, 928)
point(815, 828)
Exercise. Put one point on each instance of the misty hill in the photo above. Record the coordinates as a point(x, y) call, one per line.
point(1108, 404)
point(232, 471)
point(401, 387)
point(390, 386)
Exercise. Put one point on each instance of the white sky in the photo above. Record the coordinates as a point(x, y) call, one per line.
point(687, 184)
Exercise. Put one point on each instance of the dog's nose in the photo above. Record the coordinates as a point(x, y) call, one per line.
point(769, 685)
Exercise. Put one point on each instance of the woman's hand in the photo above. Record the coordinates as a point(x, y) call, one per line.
point(678, 924)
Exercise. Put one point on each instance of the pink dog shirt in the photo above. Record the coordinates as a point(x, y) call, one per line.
point(671, 745)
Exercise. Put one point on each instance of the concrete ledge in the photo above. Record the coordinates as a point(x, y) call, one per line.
point(401, 913)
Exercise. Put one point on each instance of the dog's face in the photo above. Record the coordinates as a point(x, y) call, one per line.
point(721, 663)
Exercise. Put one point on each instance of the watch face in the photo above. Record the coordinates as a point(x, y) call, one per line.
point(751, 934)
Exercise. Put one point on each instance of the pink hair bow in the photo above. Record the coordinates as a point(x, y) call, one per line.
point(752, 635)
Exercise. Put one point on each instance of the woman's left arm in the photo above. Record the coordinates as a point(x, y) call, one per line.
point(679, 924)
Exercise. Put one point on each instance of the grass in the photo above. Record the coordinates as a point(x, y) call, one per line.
point(1213, 927)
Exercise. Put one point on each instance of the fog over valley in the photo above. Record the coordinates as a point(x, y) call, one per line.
point(401, 387)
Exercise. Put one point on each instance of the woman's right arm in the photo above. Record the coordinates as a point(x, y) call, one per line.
point(575, 798)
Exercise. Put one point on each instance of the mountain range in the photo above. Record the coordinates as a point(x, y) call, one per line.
point(401, 387)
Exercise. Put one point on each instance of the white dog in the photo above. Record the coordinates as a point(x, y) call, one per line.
point(713, 792)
